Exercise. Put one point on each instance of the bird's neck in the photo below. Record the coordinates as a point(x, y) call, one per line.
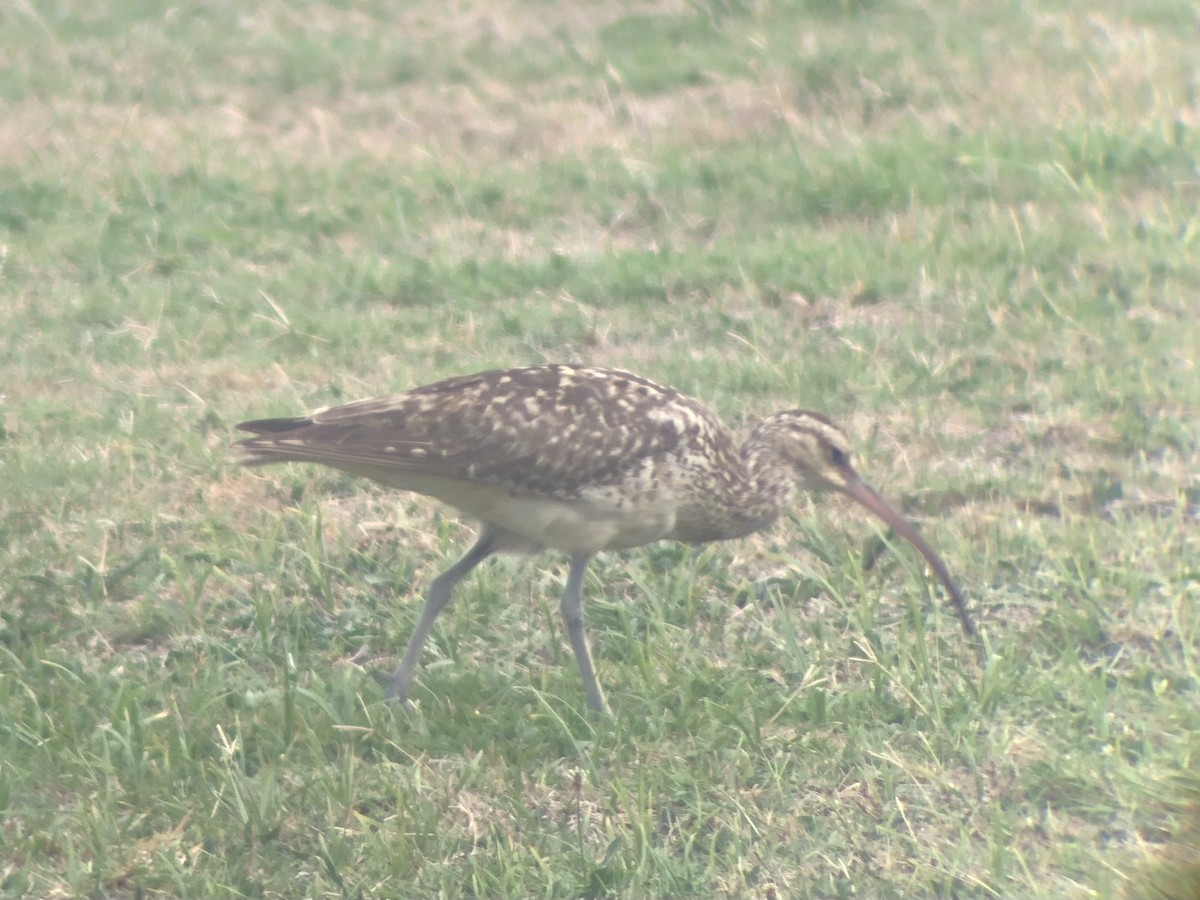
point(745, 491)
point(770, 484)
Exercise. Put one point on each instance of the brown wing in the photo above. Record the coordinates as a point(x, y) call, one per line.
point(544, 431)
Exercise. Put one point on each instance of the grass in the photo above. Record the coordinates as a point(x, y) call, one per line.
point(967, 232)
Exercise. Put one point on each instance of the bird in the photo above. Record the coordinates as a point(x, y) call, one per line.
point(579, 459)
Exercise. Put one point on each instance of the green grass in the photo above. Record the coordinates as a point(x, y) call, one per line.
point(968, 232)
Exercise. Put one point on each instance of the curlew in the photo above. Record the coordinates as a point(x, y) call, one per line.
point(578, 459)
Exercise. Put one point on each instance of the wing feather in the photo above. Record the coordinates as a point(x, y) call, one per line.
point(541, 431)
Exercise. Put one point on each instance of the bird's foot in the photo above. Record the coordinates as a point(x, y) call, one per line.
point(395, 690)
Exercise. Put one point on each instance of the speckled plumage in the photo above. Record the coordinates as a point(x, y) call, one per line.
point(575, 458)
point(617, 446)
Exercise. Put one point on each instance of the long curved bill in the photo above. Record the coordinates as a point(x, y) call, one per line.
point(864, 494)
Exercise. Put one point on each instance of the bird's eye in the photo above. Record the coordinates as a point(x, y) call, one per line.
point(839, 457)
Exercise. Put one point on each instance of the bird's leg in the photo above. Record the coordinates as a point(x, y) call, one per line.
point(440, 592)
point(572, 613)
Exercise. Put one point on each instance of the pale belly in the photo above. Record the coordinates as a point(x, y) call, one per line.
point(604, 520)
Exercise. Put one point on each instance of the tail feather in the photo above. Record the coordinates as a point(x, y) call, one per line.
point(275, 426)
point(262, 451)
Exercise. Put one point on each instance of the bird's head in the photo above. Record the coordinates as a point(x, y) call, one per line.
point(818, 455)
point(817, 451)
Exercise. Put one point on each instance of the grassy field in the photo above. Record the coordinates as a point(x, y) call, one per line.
point(968, 232)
